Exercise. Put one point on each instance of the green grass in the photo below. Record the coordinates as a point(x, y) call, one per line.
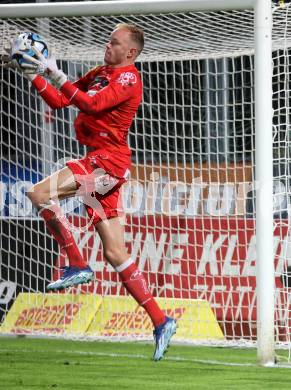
point(60, 364)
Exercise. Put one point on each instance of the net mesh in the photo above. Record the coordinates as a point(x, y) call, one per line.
point(191, 201)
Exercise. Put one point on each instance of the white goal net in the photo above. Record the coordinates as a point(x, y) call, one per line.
point(190, 202)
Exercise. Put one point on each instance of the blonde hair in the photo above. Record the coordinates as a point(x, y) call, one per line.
point(137, 34)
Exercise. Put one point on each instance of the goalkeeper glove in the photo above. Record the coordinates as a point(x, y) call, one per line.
point(48, 67)
point(28, 69)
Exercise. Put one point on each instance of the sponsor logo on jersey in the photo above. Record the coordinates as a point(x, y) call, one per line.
point(127, 78)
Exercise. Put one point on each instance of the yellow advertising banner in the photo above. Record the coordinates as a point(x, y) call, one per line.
point(34, 313)
point(121, 316)
point(115, 315)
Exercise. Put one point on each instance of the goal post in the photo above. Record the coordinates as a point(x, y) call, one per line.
point(177, 62)
point(264, 181)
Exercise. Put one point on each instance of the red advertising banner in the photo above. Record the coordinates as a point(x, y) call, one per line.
point(201, 258)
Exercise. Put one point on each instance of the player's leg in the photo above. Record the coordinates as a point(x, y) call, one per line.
point(45, 196)
point(112, 236)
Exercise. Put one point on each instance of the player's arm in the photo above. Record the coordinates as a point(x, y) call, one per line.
point(110, 96)
point(32, 69)
point(51, 95)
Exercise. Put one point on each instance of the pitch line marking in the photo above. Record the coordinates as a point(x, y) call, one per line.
point(144, 357)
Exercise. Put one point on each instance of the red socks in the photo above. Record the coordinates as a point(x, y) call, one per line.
point(58, 226)
point(132, 278)
point(135, 283)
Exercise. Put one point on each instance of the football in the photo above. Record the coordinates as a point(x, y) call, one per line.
point(24, 43)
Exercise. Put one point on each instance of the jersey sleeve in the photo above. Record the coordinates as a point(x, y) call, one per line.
point(110, 96)
point(53, 97)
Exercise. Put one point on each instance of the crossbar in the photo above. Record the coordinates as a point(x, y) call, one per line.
point(128, 7)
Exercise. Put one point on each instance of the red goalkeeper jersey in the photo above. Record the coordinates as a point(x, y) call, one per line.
point(108, 99)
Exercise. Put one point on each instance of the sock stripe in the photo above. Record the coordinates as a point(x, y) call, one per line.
point(124, 265)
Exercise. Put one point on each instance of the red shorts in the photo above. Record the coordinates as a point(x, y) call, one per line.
point(100, 191)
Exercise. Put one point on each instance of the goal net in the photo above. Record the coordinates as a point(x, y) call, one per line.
point(191, 200)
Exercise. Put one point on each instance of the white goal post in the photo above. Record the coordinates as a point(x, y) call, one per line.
point(162, 46)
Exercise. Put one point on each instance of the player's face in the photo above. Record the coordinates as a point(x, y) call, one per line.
point(119, 50)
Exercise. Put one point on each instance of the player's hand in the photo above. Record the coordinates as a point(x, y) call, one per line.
point(28, 69)
point(48, 67)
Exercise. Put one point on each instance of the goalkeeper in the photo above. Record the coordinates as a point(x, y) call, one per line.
point(108, 98)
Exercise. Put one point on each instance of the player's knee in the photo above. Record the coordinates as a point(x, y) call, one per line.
point(37, 197)
point(113, 254)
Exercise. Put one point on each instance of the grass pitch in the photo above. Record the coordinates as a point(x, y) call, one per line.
point(36, 364)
